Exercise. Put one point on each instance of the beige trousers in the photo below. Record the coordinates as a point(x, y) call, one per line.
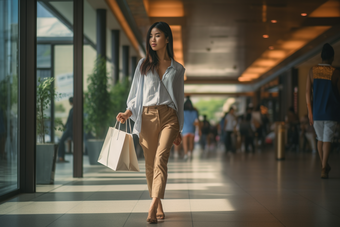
point(159, 130)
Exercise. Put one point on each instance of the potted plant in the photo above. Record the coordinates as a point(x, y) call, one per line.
point(45, 152)
point(97, 107)
point(119, 94)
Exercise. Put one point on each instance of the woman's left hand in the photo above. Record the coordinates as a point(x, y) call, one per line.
point(178, 140)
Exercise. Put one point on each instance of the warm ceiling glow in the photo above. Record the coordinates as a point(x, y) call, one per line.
point(306, 32)
point(294, 41)
point(328, 9)
point(243, 79)
point(274, 53)
point(177, 42)
point(274, 21)
point(264, 13)
point(265, 36)
point(258, 70)
point(293, 44)
point(250, 75)
point(164, 8)
point(178, 45)
point(265, 62)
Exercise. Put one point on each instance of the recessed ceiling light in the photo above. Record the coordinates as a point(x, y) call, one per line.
point(271, 48)
point(265, 36)
point(304, 14)
point(274, 21)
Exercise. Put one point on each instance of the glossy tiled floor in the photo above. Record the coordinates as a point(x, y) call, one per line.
point(246, 190)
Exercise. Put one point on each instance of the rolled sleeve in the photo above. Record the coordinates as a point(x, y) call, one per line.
point(131, 102)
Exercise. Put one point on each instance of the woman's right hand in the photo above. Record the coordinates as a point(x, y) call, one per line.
point(122, 117)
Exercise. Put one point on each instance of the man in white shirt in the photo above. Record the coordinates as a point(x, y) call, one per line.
point(229, 126)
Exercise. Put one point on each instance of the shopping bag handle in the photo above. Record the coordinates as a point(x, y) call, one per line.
point(129, 125)
point(125, 127)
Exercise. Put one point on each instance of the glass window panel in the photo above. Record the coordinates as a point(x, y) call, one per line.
point(50, 26)
point(55, 61)
point(8, 96)
point(43, 56)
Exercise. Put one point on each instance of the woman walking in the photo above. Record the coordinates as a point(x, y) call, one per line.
point(189, 126)
point(155, 103)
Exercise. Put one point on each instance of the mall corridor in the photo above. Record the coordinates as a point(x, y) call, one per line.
point(248, 75)
point(246, 190)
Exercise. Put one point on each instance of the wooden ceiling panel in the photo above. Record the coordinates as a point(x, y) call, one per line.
point(222, 38)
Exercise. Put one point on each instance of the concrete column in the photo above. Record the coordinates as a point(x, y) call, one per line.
point(115, 54)
point(78, 86)
point(126, 59)
point(133, 66)
point(101, 32)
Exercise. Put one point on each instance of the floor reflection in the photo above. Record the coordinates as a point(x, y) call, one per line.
point(233, 189)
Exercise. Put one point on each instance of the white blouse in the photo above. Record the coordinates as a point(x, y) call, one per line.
point(150, 90)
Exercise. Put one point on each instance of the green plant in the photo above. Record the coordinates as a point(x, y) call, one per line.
point(97, 103)
point(210, 107)
point(9, 87)
point(45, 93)
point(119, 94)
point(59, 108)
point(58, 124)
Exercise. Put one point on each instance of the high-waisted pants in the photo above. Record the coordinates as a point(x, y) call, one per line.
point(159, 130)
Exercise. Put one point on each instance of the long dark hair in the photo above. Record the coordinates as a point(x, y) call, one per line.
point(188, 105)
point(151, 60)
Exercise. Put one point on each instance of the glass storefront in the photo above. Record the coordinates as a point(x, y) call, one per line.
point(9, 115)
point(55, 62)
point(55, 69)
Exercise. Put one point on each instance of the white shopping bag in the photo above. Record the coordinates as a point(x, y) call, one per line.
point(118, 151)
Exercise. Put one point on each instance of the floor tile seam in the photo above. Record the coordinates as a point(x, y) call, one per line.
point(85, 199)
point(61, 215)
point(269, 211)
point(258, 202)
point(8, 213)
point(191, 215)
point(139, 199)
point(60, 186)
point(331, 212)
point(80, 202)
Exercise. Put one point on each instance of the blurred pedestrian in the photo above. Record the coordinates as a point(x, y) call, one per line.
point(256, 120)
point(188, 133)
point(247, 132)
point(205, 130)
point(293, 129)
point(68, 133)
point(212, 136)
point(230, 123)
point(323, 87)
point(222, 130)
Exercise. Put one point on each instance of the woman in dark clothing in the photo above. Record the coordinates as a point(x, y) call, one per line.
point(247, 132)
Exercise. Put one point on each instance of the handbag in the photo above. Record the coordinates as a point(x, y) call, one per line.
point(118, 151)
